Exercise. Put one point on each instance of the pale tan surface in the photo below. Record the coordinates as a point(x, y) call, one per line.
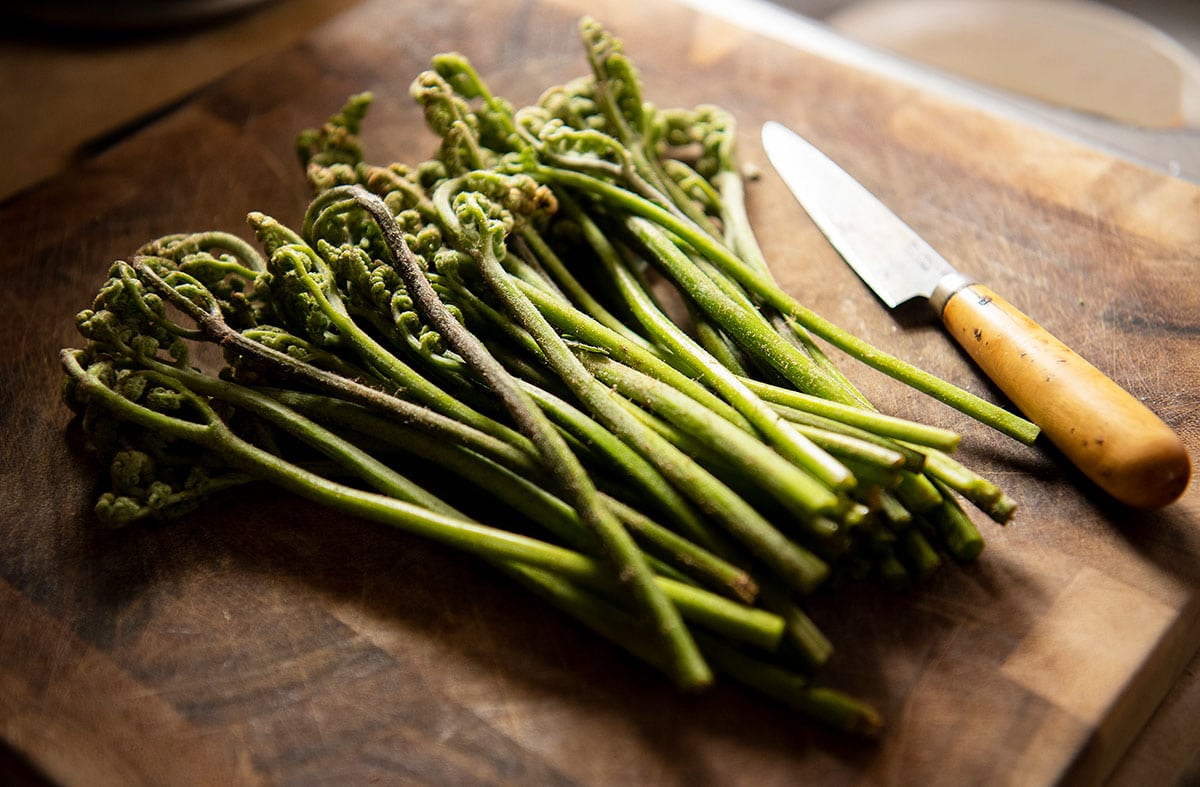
point(1071, 53)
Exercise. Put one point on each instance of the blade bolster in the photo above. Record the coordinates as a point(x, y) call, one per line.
point(946, 288)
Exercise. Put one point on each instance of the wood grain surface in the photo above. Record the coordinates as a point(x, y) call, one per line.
point(260, 640)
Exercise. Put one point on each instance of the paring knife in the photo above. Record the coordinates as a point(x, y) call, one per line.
point(1103, 429)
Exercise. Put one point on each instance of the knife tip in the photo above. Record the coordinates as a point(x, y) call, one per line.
point(772, 134)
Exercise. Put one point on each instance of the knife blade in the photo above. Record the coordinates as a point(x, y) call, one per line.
point(1106, 432)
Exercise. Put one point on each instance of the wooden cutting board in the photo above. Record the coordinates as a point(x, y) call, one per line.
point(263, 641)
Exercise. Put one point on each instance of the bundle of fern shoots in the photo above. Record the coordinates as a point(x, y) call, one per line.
point(564, 310)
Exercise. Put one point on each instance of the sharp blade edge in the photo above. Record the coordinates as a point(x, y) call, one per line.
point(887, 254)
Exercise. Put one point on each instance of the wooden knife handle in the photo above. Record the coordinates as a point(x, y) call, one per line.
point(1108, 434)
